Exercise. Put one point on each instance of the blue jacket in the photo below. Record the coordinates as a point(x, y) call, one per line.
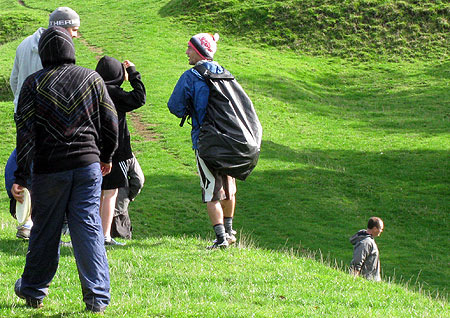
point(10, 168)
point(191, 89)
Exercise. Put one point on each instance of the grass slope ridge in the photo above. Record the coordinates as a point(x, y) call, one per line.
point(362, 28)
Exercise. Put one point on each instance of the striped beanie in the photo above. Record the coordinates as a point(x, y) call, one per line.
point(205, 45)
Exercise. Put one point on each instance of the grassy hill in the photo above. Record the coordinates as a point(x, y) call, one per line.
point(344, 139)
point(348, 28)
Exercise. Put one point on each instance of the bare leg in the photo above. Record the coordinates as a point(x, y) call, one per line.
point(228, 214)
point(215, 212)
point(228, 207)
point(107, 205)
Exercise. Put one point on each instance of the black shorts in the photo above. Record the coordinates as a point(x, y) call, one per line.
point(118, 177)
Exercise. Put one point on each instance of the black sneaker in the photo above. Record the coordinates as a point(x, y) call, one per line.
point(30, 301)
point(114, 242)
point(94, 309)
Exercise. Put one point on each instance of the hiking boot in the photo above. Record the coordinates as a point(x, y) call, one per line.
point(216, 245)
point(30, 301)
point(114, 242)
point(23, 232)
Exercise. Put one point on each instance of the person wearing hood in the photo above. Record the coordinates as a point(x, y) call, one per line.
point(366, 257)
point(114, 74)
point(67, 127)
point(26, 62)
point(191, 91)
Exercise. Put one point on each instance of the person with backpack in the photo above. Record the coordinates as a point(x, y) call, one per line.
point(190, 96)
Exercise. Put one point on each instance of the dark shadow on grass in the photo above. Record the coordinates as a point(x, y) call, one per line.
point(441, 71)
point(18, 247)
point(14, 246)
point(420, 106)
point(315, 200)
point(318, 203)
point(36, 313)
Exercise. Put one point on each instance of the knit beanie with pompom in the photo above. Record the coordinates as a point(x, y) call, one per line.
point(205, 45)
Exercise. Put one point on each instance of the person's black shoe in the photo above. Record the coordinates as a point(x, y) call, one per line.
point(30, 301)
point(35, 303)
point(94, 309)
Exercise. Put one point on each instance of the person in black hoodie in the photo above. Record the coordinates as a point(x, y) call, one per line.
point(114, 73)
point(67, 127)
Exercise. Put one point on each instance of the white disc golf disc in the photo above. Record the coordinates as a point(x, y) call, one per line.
point(23, 210)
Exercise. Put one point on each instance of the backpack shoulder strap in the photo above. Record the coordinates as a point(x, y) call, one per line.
point(207, 75)
point(202, 70)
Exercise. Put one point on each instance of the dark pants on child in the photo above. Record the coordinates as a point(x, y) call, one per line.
point(76, 191)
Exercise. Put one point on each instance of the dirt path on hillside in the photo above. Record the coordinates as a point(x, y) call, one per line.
point(142, 128)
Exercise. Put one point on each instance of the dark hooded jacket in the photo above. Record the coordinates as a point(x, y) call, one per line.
point(65, 118)
point(366, 258)
point(112, 72)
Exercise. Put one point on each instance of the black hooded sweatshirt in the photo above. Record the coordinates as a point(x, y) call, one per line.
point(65, 118)
point(112, 72)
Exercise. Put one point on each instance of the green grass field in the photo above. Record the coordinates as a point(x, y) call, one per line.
point(345, 138)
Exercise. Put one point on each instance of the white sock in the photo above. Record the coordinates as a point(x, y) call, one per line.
point(28, 224)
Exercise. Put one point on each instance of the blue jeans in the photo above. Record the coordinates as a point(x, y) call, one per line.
point(77, 193)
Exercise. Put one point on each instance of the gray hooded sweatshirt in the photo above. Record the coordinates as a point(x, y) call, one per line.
point(26, 62)
point(366, 257)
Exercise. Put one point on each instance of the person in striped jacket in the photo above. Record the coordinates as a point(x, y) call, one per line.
point(67, 127)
